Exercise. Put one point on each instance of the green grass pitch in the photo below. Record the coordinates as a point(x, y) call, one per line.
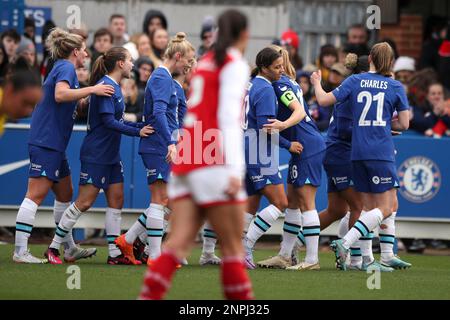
point(429, 278)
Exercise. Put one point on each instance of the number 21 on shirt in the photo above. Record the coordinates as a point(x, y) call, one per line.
point(368, 98)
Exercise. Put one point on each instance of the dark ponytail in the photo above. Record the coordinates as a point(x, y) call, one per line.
point(106, 63)
point(230, 23)
point(264, 59)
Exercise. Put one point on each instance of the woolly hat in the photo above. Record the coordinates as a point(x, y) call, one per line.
point(404, 64)
point(25, 45)
point(290, 37)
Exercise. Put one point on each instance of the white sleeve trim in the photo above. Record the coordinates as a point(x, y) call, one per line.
point(233, 81)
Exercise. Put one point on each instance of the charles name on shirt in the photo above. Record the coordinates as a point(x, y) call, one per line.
point(376, 84)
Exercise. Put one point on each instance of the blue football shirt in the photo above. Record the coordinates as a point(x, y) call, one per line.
point(52, 122)
point(260, 104)
point(101, 145)
point(305, 132)
point(339, 135)
point(373, 98)
point(160, 112)
point(182, 103)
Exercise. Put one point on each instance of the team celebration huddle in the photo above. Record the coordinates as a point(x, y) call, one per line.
point(210, 139)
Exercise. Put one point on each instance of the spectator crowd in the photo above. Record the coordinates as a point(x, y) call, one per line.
point(426, 80)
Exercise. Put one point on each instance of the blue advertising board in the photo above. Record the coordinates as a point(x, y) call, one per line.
point(40, 15)
point(423, 168)
point(11, 15)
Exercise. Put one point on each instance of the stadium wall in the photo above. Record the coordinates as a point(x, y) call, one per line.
point(422, 166)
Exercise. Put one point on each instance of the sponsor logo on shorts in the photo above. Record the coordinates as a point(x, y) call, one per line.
point(151, 172)
point(35, 167)
point(103, 180)
point(258, 178)
point(339, 180)
point(420, 179)
point(386, 180)
point(83, 175)
point(382, 180)
point(57, 173)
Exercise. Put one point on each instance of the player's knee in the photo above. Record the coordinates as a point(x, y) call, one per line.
point(66, 196)
point(307, 205)
point(160, 197)
point(386, 210)
point(356, 208)
point(36, 197)
point(83, 204)
point(116, 200)
point(292, 202)
point(281, 204)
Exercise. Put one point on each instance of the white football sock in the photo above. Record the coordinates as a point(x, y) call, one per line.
point(291, 227)
point(355, 254)
point(300, 242)
point(366, 223)
point(155, 229)
point(24, 224)
point(343, 225)
point(112, 227)
point(143, 236)
point(209, 239)
point(58, 211)
point(248, 218)
point(311, 231)
point(139, 227)
point(366, 248)
point(262, 222)
point(387, 237)
point(65, 225)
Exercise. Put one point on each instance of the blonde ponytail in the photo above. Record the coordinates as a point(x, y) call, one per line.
point(61, 43)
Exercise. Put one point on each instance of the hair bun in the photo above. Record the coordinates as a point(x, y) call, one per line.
point(351, 61)
point(180, 36)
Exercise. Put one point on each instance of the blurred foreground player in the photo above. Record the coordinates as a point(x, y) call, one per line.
point(210, 188)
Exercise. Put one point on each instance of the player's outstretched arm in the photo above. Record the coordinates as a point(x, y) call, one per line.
point(325, 99)
point(63, 92)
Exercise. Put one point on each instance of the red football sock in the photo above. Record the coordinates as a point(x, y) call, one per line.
point(159, 276)
point(235, 280)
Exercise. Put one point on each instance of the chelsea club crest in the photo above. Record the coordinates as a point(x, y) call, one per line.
point(420, 179)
